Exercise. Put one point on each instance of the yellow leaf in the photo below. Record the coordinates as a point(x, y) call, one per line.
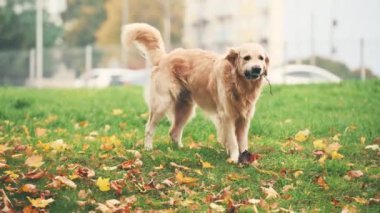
point(319, 144)
point(362, 140)
point(302, 135)
point(217, 208)
point(198, 171)
point(361, 200)
point(206, 165)
point(336, 155)
point(103, 184)
point(236, 176)
point(322, 159)
point(332, 147)
point(117, 111)
point(12, 174)
point(144, 115)
point(185, 180)
point(39, 202)
point(58, 145)
point(34, 161)
point(297, 173)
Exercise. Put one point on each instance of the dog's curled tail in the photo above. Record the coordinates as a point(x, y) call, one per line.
point(147, 38)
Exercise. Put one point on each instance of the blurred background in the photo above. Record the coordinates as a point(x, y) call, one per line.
point(76, 43)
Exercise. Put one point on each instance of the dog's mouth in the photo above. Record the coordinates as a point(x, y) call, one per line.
point(251, 75)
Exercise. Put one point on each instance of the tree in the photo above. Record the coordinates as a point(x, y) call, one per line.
point(82, 19)
point(147, 11)
point(18, 35)
point(18, 26)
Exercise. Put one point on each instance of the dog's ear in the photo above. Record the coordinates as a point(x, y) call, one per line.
point(232, 56)
point(266, 63)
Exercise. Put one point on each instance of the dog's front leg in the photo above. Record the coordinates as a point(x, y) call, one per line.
point(229, 139)
point(242, 128)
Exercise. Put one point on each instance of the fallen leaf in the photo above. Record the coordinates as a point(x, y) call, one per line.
point(334, 147)
point(374, 147)
point(179, 166)
point(66, 181)
point(270, 193)
point(217, 208)
point(319, 144)
point(236, 176)
point(40, 202)
point(362, 140)
point(361, 200)
point(103, 184)
point(39, 132)
point(35, 174)
point(8, 207)
point(34, 161)
point(336, 155)
point(117, 111)
point(320, 180)
point(286, 188)
point(302, 135)
point(296, 174)
point(180, 178)
point(29, 188)
point(4, 148)
point(82, 194)
point(194, 145)
point(353, 174)
point(349, 209)
point(84, 172)
point(206, 165)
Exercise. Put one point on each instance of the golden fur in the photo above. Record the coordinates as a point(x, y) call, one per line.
point(220, 85)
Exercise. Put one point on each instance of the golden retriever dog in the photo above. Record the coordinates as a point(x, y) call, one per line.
point(226, 87)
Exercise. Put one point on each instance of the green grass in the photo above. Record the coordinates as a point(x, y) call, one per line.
point(351, 108)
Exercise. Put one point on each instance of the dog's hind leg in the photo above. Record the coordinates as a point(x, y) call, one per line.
point(183, 110)
point(158, 106)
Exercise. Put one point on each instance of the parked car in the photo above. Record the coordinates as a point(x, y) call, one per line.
point(301, 74)
point(104, 77)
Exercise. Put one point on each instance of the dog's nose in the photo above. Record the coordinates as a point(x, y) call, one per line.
point(256, 70)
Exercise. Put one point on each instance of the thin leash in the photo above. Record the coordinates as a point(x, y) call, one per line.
point(270, 86)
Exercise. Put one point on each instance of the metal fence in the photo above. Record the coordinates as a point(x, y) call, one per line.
point(62, 66)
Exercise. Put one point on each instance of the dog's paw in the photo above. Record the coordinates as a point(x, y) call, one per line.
point(248, 158)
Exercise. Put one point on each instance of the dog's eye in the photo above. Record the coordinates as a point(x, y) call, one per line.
point(247, 58)
point(261, 57)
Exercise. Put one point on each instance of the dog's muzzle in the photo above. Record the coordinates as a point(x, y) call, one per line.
point(253, 73)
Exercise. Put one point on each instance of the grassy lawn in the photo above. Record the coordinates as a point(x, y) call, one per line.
point(99, 129)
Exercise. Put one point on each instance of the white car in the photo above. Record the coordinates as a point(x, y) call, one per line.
point(104, 77)
point(301, 74)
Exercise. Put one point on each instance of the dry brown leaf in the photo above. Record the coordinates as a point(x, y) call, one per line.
point(179, 166)
point(66, 181)
point(320, 180)
point(270, 193)
point(8, 207)
point(35, 174)
point(353, 174)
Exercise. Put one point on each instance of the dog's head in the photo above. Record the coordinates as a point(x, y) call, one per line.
point(250, 61)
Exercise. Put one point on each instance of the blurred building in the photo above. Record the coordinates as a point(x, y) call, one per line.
point(216, 25)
